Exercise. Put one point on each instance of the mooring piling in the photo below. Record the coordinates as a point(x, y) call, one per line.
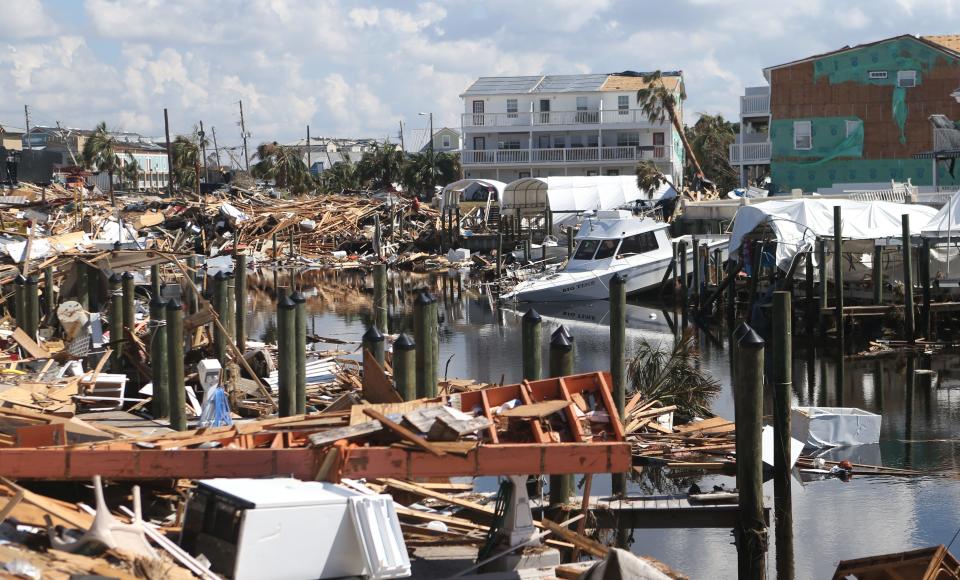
point(373, 341)
point(877, 274)
point(178, 395)
point(116, 322)
point(220, 338)
point(31, 301)
point(425, 338)
point(782, 399)
point(530, 342)
point(751, 533)
point(404, 367)
point(909, 330)
point(838, 276)
point(561, 365)
point(160, 403)
point(618, 340)
point(300, 350)
point(240, 301)
point(286, 356)
point(380, 297)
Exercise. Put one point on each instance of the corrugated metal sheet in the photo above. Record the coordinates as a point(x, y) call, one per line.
point(502, 85)
point(571, 83)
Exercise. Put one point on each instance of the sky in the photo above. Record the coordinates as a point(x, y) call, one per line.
point(358, 68)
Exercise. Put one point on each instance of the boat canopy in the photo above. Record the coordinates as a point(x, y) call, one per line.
point(616, 224)
point(946, 220)
point(453, 192)
point(578, 194)
point(796, 223)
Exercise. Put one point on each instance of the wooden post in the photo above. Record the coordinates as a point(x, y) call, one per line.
point(569, 242)
point(618, 345)
point(530, 341)
point(240, 301)
point(155, 280)
point(756, 264)
point(731, 300)
point(82, 273)
point(160, 403)
point(129, 308)
point(19, 298)
point(924, 273)
point(193, 304)
point(822, 274)
point(178, 396)
point(31, 301)
point(116, 322)
point(782, 399)
point(561, 365)
point(682, 260)
point(404, 367)
point(877, 274)
point(697, 274)
point(220, 307)
point(286, 356)
point(838, 276)
point(373, 341)
point(300, 350)
point(49, 297)
point(909, 331)
point(380, 297)
point(810, 299)
point(499, 253)
point(751, 533)
point(425, 337)
point(229, 319)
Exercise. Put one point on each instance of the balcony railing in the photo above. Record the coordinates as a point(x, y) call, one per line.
point(567, 155)
point(749, 153)
point(755, 105)
point(554, 118)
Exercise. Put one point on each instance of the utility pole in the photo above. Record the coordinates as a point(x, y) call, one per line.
point(402, 146)
point(203, 149)
point(26, 118)
point(216, 149)
point(309, 159)
point(166, 129)
point(65, 135)
point(243, 131)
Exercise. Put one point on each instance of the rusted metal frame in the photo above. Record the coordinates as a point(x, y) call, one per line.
point(575, 428)
point(538, 434)
point(489, 415)
point(611, 407)
point(361, 462)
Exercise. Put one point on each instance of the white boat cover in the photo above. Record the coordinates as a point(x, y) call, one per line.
point(453, 192)
point(798, 222)
point(578, 194)
point(947, 219)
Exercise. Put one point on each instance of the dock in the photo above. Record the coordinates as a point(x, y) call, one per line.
point(658, 512)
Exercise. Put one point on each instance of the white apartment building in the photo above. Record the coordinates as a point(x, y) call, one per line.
point(750, 153)
point(588, 124)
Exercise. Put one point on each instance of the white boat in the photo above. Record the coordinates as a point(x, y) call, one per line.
point(555, 251)
point(614, 242)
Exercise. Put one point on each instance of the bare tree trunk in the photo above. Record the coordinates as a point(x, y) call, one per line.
point(683, 139)
point(113, 200)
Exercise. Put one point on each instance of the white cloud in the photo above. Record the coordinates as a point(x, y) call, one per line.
point(26, 18)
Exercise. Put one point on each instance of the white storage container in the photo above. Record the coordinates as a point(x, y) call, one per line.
point(835, 426)
point(288, 529)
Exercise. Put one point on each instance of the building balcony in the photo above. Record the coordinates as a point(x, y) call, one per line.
point(756, 103)
point(553, 119)
point(750, 153)
point(612, 155)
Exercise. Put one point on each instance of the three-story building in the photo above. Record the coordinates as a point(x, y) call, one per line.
point(587, 124)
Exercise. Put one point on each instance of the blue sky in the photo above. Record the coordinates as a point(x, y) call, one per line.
point(357, 68)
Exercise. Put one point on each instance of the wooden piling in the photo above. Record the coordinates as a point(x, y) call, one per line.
point(682, 261)
point(924, 273)
point(425, 337)
point(31, 301)
point(286, 356)
point(756, 263)
point(751, 533)
point(220, 338)
point(530, 343)
point(373, 341)
point(838, 276)
point(697, 274)
point(49, 296)
point(782, 399)
point(618, 345)
point(560, 365)
point(730, 303)
point(569, 242)
point(877, 274)
point(116, 322)
point(160, 400)
point(810, 299)
point(240, 301)
point(300, 349)
point(155, 280)
point(380, 297)
point(191, 295)
point(909, 330)
point(81, 292)
point(499, 263)
point(19, 305)
point(404, 367)
point(178, 395)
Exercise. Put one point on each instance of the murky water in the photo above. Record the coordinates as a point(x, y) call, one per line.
point(833, 520)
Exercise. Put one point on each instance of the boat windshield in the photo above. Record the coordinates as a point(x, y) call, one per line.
point(586, 249)
point(638, 244)
point(607, 249)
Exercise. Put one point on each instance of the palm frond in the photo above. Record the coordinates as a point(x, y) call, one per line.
point(673, 376)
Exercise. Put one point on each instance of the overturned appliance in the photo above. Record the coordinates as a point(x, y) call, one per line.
point(835, 426)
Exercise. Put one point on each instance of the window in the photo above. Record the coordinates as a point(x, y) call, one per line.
point(623, 104)
point(607, 249)
point(559, 142)
point(906, 78)
point(509, 144)
point(877, 74)
point(628, 139)
point(638, 244)
point(613, 172)
point(852, 126)
point(512, 108)
point(658, 138)
point(802, 135)
point(586, 249)
point(591, 173)
point(523, 174)
point(446, 141)
point(581, 103)
point(593, 141)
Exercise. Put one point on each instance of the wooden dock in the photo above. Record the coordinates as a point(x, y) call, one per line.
point(657, 511)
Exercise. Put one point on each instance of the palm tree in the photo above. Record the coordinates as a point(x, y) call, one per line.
point(649, 177)
point(186, 158)
point(131, 171)
point(100, 154)
point(341, 177)
point(659, 104)
point(420, 174)
point(382, 166)
point(711, 137)
point(284, 165)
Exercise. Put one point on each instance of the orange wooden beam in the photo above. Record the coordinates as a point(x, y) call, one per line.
point(304, 463)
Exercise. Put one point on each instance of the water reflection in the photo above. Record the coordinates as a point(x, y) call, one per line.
point(833, 520)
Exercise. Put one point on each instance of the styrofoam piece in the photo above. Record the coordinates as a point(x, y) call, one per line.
point(381, 539)
point(835, 426)
point(767, 449)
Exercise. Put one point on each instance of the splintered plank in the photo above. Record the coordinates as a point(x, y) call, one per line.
point(348, 432)
point(536, 410)
point(404, 433)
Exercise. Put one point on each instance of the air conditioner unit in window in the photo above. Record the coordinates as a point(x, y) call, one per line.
point(803, 142)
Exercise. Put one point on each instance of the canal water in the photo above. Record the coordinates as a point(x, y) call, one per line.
point(833, 520)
